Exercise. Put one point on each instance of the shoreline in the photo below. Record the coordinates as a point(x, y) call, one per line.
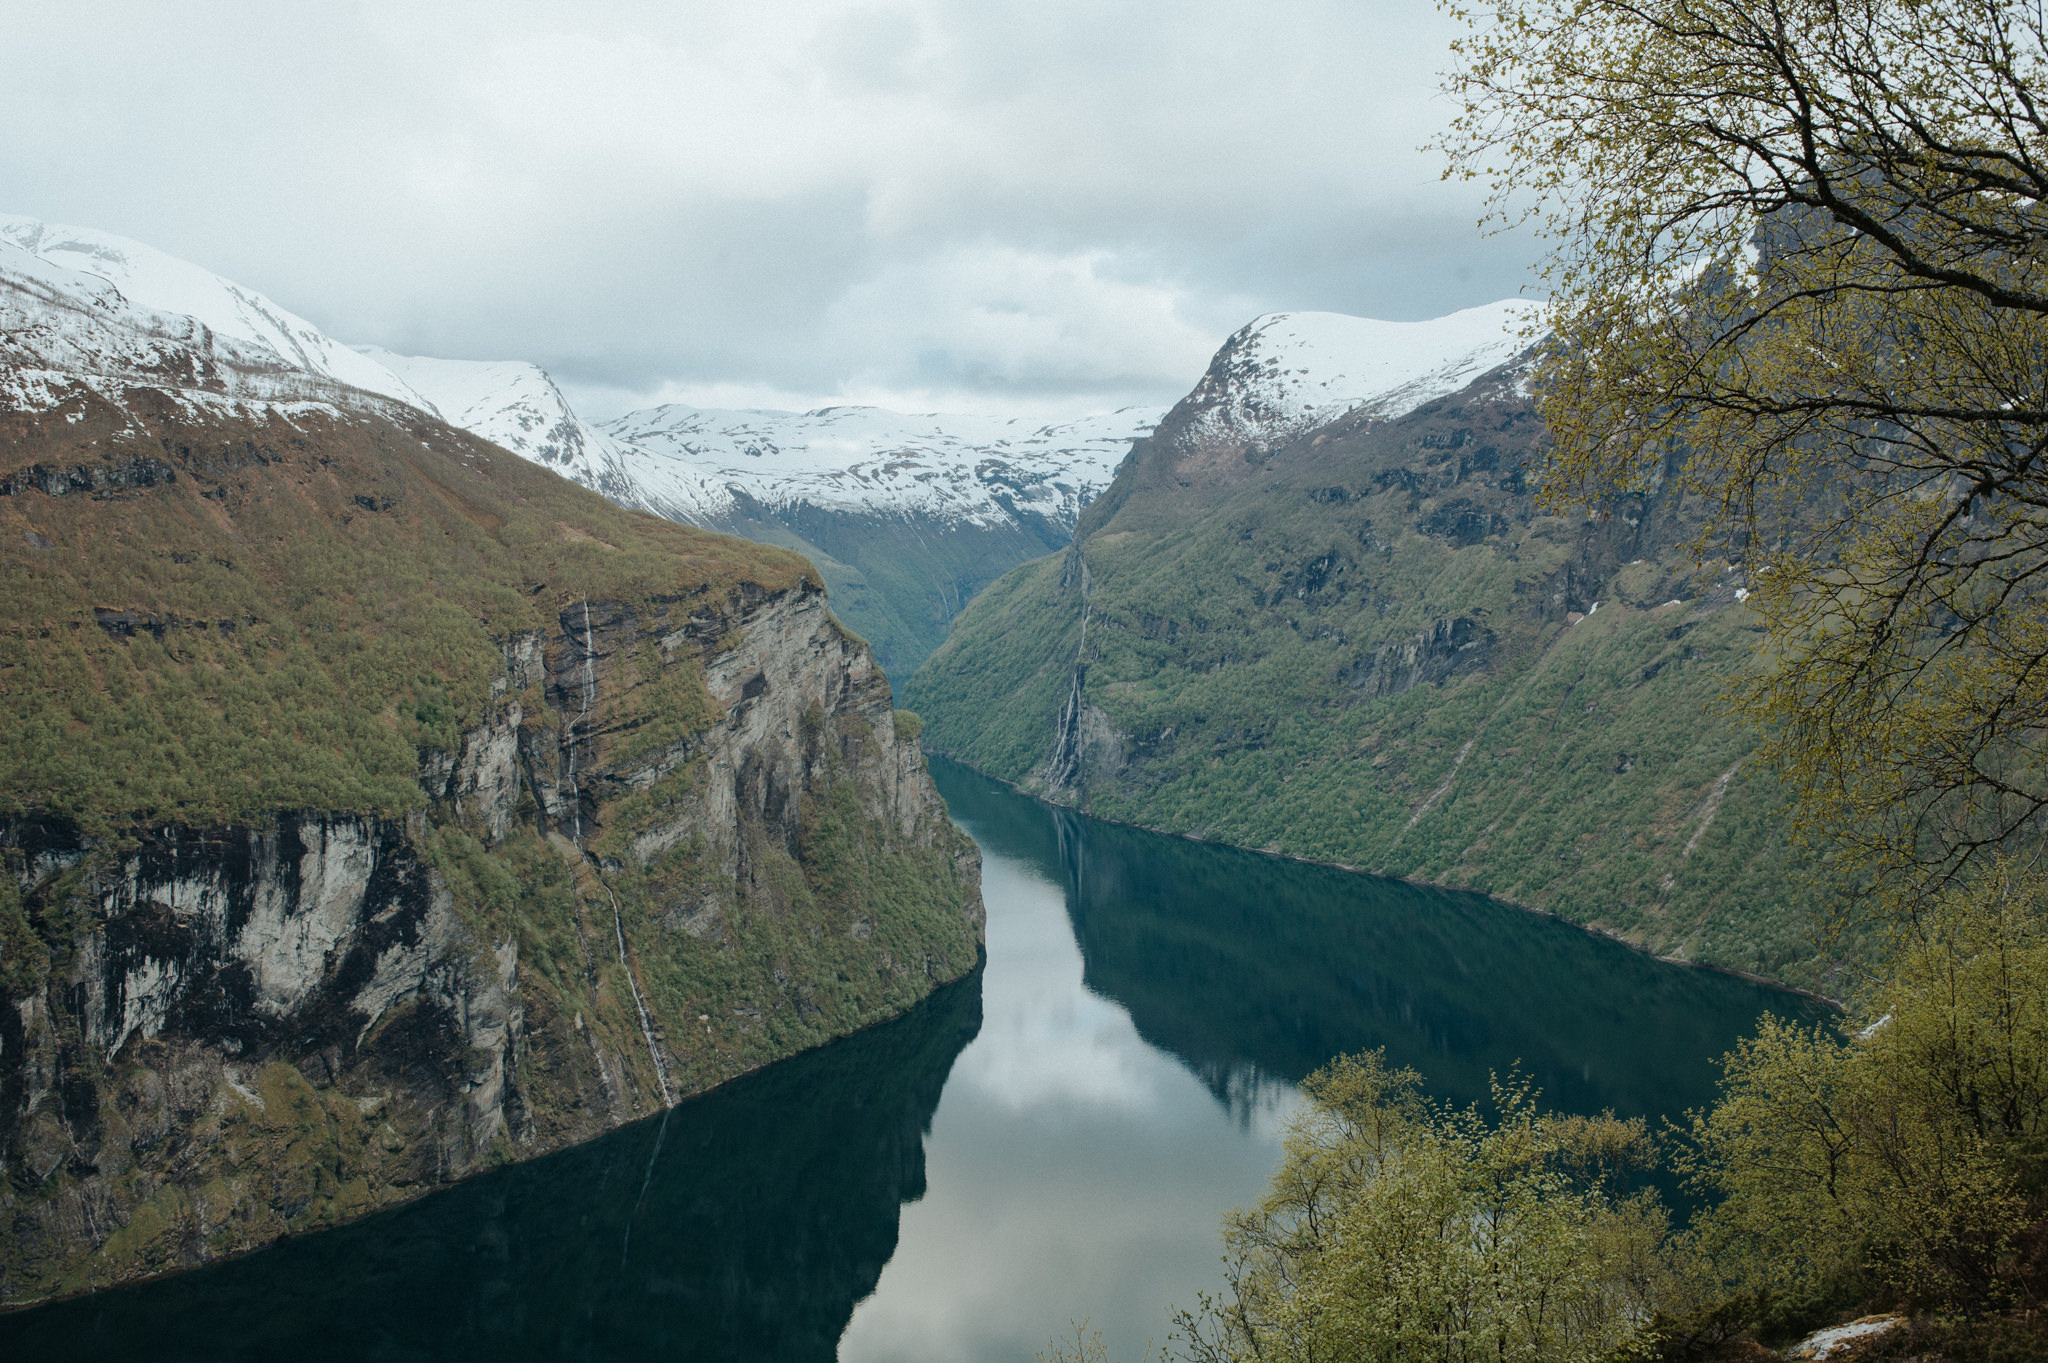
point(1591, 929)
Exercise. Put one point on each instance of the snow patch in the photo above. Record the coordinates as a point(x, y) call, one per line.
point(1286, 373)
point(85, 302)
point(1841, 1339)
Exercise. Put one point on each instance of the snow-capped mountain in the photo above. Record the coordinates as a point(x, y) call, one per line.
point(1279, 376)
point(80, 306)
point(907, 516)
point(1284, 374)
point(972, 470)
point(721, 468)
point(509, 402)
point(517, 405)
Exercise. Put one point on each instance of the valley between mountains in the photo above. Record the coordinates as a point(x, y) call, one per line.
point(407, 776)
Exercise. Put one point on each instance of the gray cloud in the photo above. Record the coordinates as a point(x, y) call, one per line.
point(998, 204)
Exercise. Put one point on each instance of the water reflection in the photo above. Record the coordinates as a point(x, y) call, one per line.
point(742, 1226)
point(1149, 1003)
point(1252, 968)
point(1075, 1170)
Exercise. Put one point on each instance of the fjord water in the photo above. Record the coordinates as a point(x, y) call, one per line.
point(1053, 1137)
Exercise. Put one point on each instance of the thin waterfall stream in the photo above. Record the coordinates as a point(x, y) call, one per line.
point(597, 871)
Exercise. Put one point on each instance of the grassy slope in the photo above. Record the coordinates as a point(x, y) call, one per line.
point(1226, 667)
point(336, 594)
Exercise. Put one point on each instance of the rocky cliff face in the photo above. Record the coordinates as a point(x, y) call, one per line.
point(249, 1030)
point(379, 808)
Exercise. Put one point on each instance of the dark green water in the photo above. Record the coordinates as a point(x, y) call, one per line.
point(1054, 1137)
point(1247, 965)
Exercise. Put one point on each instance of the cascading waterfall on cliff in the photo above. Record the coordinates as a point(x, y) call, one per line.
point(1063, 762)
point(618, 920)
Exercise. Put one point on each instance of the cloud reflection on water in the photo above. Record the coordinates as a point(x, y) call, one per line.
point(1072, 1169)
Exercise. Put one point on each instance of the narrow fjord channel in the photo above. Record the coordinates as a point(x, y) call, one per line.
point(1054, 1137)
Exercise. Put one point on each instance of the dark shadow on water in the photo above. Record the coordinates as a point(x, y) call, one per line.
point(1247, 966)
point(744, 1225)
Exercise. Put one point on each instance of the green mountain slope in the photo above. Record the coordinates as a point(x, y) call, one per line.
point(898, 580)
point(1366, 646)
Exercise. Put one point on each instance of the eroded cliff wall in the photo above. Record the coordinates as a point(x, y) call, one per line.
point(661, 831)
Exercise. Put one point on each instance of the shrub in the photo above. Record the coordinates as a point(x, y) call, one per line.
point(1398, 1229)
point(1907, 1155)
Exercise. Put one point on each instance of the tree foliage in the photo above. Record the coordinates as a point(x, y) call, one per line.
point(1399, 1229)
point(1906, 1154)
point(1799, 260)
point(1898, 1158)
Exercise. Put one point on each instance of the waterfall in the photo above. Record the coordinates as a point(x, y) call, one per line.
point(618, 919)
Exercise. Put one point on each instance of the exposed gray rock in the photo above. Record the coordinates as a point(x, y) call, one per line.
point(244, 1008)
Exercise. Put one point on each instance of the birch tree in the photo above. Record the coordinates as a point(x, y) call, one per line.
point(1798, 267)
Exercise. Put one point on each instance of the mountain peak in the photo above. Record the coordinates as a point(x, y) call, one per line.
point(82, 304)
point(1286, 373)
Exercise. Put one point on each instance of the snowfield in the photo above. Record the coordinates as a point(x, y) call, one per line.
point(84, 303)
point(956, 469)
point(1284, 374)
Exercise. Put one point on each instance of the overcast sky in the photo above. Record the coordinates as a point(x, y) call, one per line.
point(983, 205)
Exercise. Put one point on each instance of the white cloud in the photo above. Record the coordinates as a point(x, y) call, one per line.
point(1009, 202)
point(994, 316)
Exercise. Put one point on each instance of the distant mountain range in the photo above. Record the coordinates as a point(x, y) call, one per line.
point(907, 517)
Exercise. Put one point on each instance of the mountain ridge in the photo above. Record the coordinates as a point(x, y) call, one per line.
point(906, 516)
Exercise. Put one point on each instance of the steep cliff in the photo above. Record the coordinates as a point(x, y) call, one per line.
point(744, 1225)
point(1364, 643)
point(378, 807)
